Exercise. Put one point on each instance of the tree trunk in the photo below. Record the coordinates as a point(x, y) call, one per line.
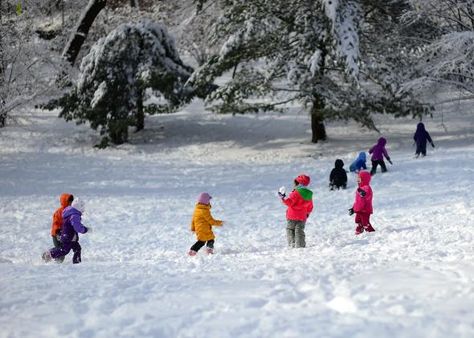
point(85, 22)
point(140, 116)
point(317, 120)
point(134, 3)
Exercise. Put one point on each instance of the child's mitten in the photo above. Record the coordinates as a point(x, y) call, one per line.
point(351, 211)
point(282, 192)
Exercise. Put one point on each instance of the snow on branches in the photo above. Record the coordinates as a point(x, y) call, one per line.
point(116, 74)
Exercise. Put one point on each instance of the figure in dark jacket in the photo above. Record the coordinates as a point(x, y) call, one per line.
point(420, 137)
point(338, 176)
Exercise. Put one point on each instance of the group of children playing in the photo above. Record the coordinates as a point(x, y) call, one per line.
point(67, 218)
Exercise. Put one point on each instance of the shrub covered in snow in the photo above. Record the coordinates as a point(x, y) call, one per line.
point(116, 74)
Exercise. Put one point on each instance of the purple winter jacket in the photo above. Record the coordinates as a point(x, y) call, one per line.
point(378, 151)
point(71, 224)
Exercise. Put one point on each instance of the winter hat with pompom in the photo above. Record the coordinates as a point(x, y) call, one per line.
point(79, 205)
point(303, 180)
point(204, 198)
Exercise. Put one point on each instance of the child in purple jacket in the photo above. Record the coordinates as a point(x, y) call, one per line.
point(378, 152)
point(69, 233)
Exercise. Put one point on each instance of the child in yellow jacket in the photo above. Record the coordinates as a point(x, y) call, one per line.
point(202, 223)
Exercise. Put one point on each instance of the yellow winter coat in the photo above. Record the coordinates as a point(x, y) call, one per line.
point(202, 222)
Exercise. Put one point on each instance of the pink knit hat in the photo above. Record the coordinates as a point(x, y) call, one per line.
point(204, 198)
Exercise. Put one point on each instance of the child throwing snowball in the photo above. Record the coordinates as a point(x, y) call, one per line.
point(69, 233)
point(202, 224)
point(300, 205)
point(65, 200)
point(363, 204)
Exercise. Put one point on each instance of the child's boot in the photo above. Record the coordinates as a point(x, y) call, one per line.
point(369, 228)
point(46, 256)
point(359, 229)
point(210, 251)
point(192, 253)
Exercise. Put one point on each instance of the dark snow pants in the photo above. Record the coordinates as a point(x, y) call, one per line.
point(57, 244)
point(64, 249)
point(375, 164)
point(199, 244)
point(420, 148)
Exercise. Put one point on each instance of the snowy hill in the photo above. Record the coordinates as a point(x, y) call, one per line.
point(413, 277)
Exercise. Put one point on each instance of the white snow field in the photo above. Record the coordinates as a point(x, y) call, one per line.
point(413, 277)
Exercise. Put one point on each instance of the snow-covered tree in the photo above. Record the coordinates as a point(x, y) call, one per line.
point(115, 75)
point(448, 56)
point(317, 52)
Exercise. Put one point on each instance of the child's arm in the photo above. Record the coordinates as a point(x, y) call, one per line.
point(428, 137)
point(193, 228)
point(77, 225)
point(386, 156)
point(213, 221)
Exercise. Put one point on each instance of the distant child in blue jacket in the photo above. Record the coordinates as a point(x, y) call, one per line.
point(420, 137)
point(359, 163)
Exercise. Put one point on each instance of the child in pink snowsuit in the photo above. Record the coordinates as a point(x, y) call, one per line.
point(363, 204)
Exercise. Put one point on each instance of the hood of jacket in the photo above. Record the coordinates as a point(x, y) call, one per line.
point(364, 178)
point(305, 193)
point(339, 164)
point(362, 156)
point(69, 211)
point(382, 141)
point(420, 127)
point(64, 200)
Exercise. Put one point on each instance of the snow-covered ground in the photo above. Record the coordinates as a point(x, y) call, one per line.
point(413, 277)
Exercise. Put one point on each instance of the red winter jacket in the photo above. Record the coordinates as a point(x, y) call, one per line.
point(363, 195)
point(300, 204)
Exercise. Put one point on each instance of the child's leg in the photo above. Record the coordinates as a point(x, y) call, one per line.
point(367, 226)
point(383, 166)
point(62, 250)
point(290, 233)
point(300, 235)
point(359, 228)
point(374, 167)
point(210, 244)
point(57, 244)
point(76, 248)
point(198, 245)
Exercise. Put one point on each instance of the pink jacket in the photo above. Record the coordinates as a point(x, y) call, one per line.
point(363, 196)
point(300, 204)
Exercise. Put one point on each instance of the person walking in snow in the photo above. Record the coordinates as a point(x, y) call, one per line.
point(378, 152)
point(421, 137)
point(72, 225)
point(363, 204)
point(300, 205)
point(65, 200)
point(338, 176)
point(359, 163)
point(202, 223)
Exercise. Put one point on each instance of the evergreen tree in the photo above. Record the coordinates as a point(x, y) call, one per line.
point(322, 53)
point(115, 75)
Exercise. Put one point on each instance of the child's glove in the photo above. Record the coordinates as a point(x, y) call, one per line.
point(282, 192)
point(361, 192)
point(390, 161)
point(89, 230)
point(351, 211)
point(432, 144)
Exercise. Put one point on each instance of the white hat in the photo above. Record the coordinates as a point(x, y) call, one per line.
point(79, 204)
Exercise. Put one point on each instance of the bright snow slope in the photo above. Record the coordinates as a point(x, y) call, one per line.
point(413, 277)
